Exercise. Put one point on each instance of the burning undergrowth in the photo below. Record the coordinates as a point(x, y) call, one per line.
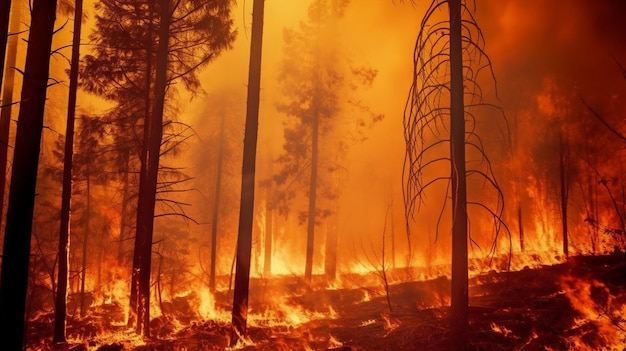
point(576, 305)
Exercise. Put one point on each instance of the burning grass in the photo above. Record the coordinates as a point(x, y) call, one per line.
point(576, 305)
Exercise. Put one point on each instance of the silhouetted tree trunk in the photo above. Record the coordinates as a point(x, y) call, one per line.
point(16, 252)
point(60, 307)
point(310, 236)
point(147, 189)
point(216, 203)
point(134, 290)
point(7, 99)
point(564, 181)
point(459, 297)
point(246, 211)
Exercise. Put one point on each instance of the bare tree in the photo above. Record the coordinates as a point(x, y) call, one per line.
point(448, 60)
point(60, 306)
point(6, 104)
point(246, 212)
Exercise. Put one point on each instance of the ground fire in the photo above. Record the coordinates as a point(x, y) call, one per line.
point(313, 175)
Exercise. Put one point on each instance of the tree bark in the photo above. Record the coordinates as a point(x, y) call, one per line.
point(459, 297)
point(60, 307)
point(246, 211)
point(16, 252)
point(7, 100)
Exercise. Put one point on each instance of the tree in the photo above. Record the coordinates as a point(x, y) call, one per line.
point(6, 104)
point(60, 307)
point(16, 251)
point(148, 46)
point(246, 211)
point(448, 60)
point(313, 81)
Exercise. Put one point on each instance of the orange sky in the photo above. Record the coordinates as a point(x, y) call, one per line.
point(542, 52)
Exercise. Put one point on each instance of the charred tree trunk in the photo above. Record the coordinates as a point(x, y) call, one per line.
point(60, 307)
point(147, 190)
point(216, 203)
point(246, 211)
point(7, 99)
point(17, 238)
point(563, 172)
point(143, 172)
point(459, 297)
point(310, 236)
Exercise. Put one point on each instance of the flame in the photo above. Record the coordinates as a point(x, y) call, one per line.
point(597, 306)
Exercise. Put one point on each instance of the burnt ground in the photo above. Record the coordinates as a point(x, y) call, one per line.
point(577, 305)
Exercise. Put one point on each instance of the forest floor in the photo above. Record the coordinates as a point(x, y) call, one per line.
point(576, 305)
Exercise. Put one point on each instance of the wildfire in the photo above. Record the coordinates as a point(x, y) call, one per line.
point(599, 310)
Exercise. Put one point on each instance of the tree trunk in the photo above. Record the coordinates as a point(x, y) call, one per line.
point(60, 307)
point(7, 99)
point(216, 203)
point(143, 172)
point(16, 252)
point(310, 236)
point(563, 161)
point(147, 189)
point(246, 211)
point(459, 297)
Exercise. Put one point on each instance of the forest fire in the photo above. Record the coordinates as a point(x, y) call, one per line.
point(313, 175)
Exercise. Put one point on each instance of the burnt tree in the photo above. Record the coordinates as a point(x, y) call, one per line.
point(17, 238)
point(440, 110)
point(60, 306)
point(6, 104)
point(246, 211)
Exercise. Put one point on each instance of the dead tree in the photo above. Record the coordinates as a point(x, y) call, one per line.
point(440, 111)
point(246, 211)
point(17, 238)
point(60, 306)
